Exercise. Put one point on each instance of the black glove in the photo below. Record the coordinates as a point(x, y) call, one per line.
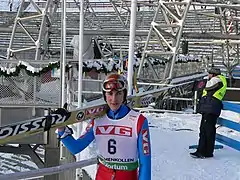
point(61, 111)
point(58, 115)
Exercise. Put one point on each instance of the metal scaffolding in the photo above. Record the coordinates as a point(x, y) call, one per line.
point(209, 27)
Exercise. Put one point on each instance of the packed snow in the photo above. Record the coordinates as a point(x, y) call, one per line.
point(171, 135)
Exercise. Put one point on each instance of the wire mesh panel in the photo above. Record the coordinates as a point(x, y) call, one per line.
point(91, 83)
point(28, 85)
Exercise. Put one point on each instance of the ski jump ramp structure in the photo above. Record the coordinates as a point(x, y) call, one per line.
point(167, 34)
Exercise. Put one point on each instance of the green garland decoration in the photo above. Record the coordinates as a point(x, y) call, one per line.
point(100, 66)
point(31, 71)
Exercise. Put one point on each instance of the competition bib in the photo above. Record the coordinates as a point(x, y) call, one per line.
point(117, 141)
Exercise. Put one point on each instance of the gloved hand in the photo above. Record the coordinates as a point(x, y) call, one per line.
point(63, 112)
point(58, 113)
point(61, 129)
point(65, 132)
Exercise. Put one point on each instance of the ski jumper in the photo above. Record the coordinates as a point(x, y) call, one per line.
point(123, 143)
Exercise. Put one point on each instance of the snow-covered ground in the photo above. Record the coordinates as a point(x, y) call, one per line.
point(11, 163)
point(171, 135)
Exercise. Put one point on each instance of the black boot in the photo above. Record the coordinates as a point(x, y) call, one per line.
point(197, 155)
point(208, 155)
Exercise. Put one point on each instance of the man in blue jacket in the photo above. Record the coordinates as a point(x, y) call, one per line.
point(122, 137)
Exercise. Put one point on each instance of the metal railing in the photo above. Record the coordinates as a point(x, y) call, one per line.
point(48, 171)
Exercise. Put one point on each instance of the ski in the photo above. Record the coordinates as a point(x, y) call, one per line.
point(34, 126)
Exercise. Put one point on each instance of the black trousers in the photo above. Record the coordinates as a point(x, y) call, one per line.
point(207, 134)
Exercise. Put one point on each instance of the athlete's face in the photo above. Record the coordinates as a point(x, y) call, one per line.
point(114, 99)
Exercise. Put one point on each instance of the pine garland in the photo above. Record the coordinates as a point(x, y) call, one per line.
point(100, 66)
point(30, 70)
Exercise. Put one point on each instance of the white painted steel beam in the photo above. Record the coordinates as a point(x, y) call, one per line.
point(131, 46)
point(48, 171)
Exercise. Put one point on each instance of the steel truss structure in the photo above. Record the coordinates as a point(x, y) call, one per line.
point(209, 27)
point(163, 28)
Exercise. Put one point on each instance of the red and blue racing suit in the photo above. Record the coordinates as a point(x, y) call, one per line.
point(105, 173)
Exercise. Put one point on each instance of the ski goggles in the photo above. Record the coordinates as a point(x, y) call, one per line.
point(110, 85)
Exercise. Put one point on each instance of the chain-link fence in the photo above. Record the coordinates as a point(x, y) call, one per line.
point(28, 86)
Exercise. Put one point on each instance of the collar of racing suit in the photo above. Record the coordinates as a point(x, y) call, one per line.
point(122, 111)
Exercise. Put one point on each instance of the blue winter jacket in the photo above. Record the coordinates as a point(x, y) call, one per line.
point(76, 146)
